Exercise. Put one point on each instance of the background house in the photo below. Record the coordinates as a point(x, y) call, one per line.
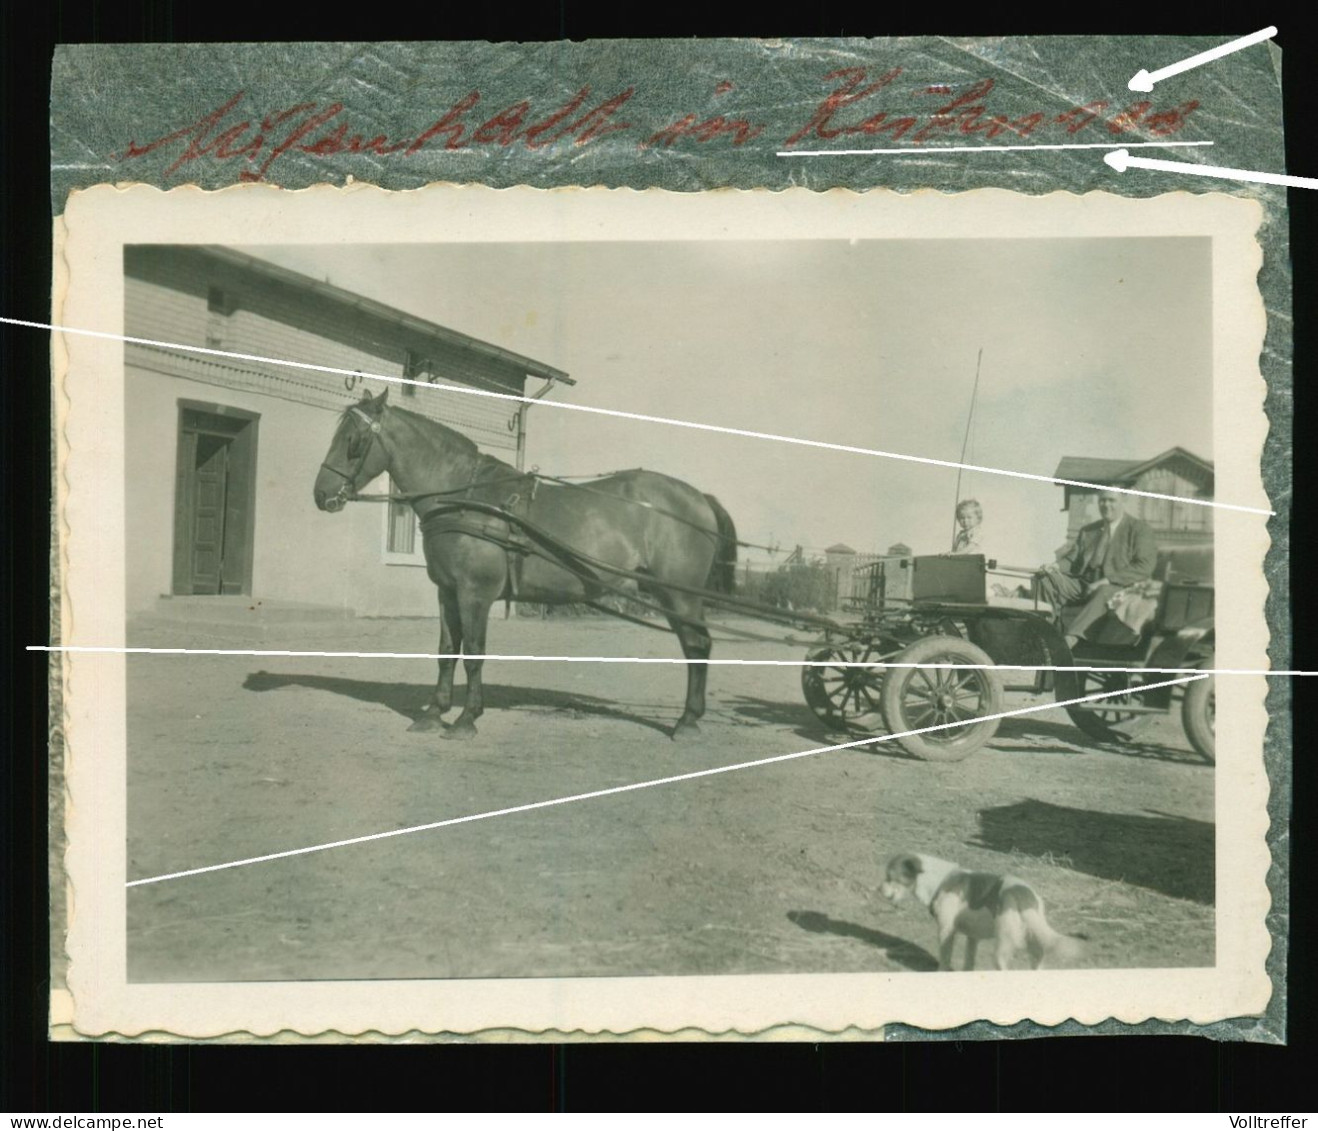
point(222, 452)
point(1174, 472)
point(1177, 472)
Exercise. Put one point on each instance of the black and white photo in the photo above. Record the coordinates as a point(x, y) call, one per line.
point(868, 484)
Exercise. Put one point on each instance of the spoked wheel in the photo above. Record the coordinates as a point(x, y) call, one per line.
point(1110, 720)
point(915, 698)
point(846, 697)
point(1198, 713)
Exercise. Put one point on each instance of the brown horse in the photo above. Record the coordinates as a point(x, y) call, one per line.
point(659, 529)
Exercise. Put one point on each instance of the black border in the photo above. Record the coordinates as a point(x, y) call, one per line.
point(1065, 1074)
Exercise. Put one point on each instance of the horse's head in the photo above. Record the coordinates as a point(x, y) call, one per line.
point(356, 454)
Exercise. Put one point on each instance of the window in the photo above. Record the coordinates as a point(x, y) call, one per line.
point(401, 538)
point(219, 301)
point(1186, 516)
point(219, 305)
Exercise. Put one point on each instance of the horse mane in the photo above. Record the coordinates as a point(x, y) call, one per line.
point(451, 438)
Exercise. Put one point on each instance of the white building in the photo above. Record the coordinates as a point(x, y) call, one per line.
point(221, 453)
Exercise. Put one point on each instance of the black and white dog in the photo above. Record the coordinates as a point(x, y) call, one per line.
point(981, 906)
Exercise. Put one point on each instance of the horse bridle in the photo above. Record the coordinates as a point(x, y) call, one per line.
point(349, 486)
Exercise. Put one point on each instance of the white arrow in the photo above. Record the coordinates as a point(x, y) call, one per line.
point(1144, 80)
point(1120, 160)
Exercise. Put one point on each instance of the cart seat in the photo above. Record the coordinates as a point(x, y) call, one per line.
point(1179, 593)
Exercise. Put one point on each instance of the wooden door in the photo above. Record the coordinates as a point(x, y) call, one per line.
point(209, 488)
point(214, 501)
point(239, 511)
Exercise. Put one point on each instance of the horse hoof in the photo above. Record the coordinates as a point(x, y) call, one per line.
point(428, 721)
point(685, 731)
point(459, 732)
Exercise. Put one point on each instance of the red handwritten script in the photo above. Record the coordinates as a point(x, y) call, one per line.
point(857, 106)
point(839, 115)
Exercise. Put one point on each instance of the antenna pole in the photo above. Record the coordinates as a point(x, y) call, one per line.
point(965, 442)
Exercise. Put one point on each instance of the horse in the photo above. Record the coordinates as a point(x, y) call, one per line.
point(563, 544)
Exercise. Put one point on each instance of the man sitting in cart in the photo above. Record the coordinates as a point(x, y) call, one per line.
point(1107, 556)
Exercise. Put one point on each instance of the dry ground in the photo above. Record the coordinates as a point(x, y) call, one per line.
point(767, 870)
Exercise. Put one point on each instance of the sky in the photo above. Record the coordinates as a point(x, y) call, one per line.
point(1091, 347)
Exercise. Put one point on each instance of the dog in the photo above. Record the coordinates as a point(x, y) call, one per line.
point(981, 906)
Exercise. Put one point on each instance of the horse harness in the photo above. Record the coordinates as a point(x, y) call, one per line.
point(348, 489)
point(503, 521)
point(456, 515)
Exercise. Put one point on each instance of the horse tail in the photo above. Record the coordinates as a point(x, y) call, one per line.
point(723, 570)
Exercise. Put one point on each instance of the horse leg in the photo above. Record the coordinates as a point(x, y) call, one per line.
point(473, 619)
point(450, 642)
point(696, 645)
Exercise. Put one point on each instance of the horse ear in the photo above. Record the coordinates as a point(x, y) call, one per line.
point(373, 405)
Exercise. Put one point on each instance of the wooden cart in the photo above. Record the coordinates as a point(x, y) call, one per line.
point(965, 610)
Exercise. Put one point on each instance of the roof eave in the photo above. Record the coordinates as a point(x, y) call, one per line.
point(284, 275)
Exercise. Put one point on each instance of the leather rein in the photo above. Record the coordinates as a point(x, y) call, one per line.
point(348, 491)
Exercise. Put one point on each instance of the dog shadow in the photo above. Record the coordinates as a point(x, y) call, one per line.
point(897, 949)
point(1158, 851)
point(409, 699)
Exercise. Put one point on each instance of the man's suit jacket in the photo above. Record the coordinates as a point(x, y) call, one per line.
point(1132, 556)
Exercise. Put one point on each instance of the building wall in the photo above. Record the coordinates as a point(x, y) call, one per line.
point(299, 553)
point(165, 314)
point(233, 289)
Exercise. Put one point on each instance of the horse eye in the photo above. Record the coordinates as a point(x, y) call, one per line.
point(354, 447)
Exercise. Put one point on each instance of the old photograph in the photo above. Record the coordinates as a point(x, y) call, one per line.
point(608, 611)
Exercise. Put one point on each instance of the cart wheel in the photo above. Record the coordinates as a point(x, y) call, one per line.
point(925, 697)
point(1197, 715)
point(846, 698)
point(1106, 721)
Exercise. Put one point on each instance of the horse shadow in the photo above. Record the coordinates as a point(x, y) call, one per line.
point(748, 709)
point(898, 949)
point(409, 699)
point(1158, 851)
point(797, 718)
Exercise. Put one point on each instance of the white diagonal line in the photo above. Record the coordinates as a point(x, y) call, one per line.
point(634, 786)
point(912, 151)
point(643, 417)
point(1209, 56)
point(722, 661)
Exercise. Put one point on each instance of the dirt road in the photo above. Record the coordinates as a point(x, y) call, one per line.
point(765, 870)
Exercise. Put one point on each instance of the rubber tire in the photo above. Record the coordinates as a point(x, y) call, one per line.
point(831, 709)
point(934, 747)
point(1197, 715)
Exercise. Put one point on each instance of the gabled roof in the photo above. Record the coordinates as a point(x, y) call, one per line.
point(1088, 470)
point(1200, 464)
point(1120, 472)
